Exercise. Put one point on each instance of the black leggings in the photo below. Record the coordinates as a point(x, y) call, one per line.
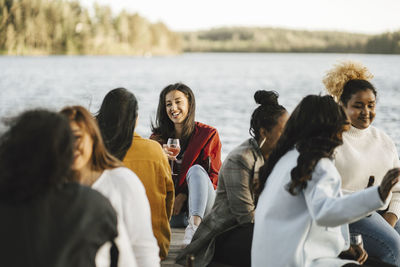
point(234, 247)
point(371, 262)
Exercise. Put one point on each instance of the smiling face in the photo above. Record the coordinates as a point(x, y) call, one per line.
point(83, 147)
point(361, 109)
point(177, 106)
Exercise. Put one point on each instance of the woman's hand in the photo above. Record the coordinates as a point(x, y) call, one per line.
point(355, 252)
point(178, 204)
point(390, 179)
point(168, 153)
point(391, 218)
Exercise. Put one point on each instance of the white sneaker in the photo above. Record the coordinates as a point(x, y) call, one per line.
point(189, 232)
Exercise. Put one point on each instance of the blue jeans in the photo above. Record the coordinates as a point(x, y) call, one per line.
point(201, 196)
point(381, 240)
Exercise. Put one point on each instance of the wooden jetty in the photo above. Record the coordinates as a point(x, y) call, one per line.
point(174, 248)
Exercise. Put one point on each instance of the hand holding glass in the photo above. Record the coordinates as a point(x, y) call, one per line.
point(356, 239)
point(173, 148)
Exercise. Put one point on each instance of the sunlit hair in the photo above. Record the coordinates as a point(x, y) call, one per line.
point(117, 119)
point(315, 129)
point(267, 114)
point(101, 158)
point(336, 78)
point(36, 154)
point(164, 127)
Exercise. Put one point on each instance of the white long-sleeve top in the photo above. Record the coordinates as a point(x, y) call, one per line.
point(309, 229)
point(364, 153)
point(128, 197)
point(126, 257)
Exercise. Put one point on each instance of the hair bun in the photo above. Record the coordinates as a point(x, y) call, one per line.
point(263, 97)
point(341, 73)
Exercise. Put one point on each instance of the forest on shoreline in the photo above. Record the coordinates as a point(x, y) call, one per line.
point(46, 27)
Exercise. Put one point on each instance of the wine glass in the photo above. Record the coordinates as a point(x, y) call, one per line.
point(173, 148)
point(356, 239)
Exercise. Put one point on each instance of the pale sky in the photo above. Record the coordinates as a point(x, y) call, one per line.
point(364, 16)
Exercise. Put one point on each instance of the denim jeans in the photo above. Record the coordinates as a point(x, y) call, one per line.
point(200, 199)
point(381, 240)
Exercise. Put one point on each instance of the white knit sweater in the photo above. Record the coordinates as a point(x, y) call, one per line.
point(364, 153)
point(128, 197)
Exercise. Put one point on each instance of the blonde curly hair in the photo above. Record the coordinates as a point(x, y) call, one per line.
point(336, 78)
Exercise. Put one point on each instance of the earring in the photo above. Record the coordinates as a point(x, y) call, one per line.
point(263, 141)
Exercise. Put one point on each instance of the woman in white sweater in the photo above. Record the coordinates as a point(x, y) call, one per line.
point(365, 157)
point(99, 169)
point(301, 217)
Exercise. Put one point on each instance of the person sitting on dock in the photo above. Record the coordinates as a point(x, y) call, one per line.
point(225, 234)
point(197, 160)
point(366, 151)
point(117, 120)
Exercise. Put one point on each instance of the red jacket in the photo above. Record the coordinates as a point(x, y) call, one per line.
point(204, 148)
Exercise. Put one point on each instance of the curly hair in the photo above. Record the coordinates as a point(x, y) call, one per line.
point(336, 78)
point(36, 154)
point(315, 128)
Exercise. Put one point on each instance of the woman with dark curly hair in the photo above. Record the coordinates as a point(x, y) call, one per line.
point(47, 221)
point(366, 152)
point(302, 216)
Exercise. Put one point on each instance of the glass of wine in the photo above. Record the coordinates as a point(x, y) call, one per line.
point(356, 239)
point(173, 149)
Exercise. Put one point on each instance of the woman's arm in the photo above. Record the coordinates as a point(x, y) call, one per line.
point(238, 181)
point(137, 218)
point(326, 204)
point(393, 213)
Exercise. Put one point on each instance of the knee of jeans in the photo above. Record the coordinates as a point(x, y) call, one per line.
point(194, 169)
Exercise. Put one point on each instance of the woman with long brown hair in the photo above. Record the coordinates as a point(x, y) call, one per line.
point(302, 216)
point(199, 159)
point(97, 168)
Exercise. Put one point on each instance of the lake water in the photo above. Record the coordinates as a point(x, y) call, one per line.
point(224, 84)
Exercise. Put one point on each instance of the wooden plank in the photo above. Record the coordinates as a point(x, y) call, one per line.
point(174, 248)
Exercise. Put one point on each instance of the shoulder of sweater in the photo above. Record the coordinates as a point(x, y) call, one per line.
point(87, 195)
point(325, 165)
point(204, 127)
point(122, 177)
point(244, 152)
point(378, 133)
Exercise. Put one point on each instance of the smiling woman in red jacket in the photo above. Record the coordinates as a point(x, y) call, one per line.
point(197, 165)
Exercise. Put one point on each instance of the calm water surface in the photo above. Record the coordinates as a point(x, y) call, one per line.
point(224, 84)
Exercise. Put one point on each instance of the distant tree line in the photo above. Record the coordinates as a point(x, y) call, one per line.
point(65, 27)
point(29, 27)
point(244, 39)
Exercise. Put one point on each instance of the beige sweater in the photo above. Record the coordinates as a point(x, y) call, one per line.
point(364, 153)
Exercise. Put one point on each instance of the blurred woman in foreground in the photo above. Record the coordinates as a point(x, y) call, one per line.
point(47, 221)
point(105, 173)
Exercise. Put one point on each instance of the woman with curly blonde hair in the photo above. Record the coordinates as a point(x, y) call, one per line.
point(365, 157)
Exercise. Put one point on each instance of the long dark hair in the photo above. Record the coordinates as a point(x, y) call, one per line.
point(164, 127)
point(101, 158)
point(267, 114)
point(315, 129)
point(36, 154)
point(117, 118)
